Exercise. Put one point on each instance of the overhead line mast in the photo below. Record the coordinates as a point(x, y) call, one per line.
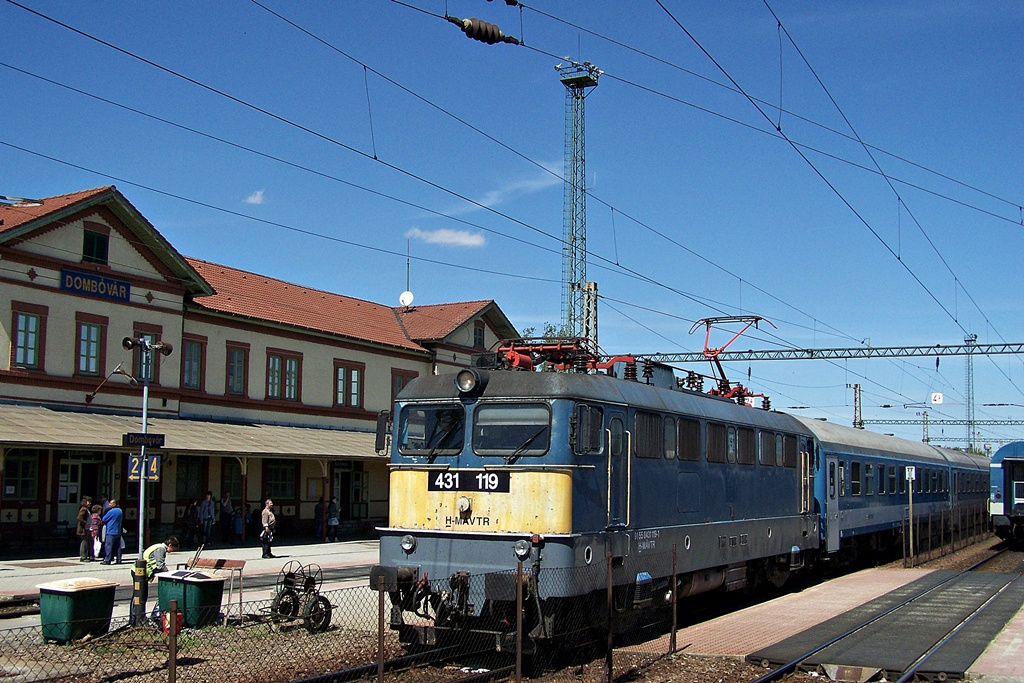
point(577, 79)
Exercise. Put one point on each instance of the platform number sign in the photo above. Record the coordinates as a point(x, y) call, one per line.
point(135, 467)
point(911, 473)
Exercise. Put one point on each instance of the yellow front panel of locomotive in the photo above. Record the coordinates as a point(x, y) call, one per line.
point(537, 502)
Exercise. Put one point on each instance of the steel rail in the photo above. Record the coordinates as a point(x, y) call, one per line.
point(791, 666)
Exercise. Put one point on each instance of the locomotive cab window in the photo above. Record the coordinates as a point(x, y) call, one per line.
point(511, 429)
point(588, 429)
point(431, 430)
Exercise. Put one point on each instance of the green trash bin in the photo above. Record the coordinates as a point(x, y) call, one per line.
point(198, 595)
point(71, 609)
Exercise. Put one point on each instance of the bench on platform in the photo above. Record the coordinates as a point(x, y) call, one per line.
point(218, 566)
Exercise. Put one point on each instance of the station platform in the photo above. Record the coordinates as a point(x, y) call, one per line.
point(755, 629)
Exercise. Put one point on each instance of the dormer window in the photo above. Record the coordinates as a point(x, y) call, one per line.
point(94, 247)
point(478, 334)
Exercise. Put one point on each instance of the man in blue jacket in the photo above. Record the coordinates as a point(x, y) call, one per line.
point(112, 520)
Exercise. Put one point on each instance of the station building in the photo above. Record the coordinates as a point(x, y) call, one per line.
point(270, 389)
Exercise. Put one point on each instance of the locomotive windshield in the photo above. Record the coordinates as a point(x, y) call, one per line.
point(511, 430)
point(431, 430)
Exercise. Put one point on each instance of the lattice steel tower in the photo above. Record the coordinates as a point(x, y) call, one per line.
point(577, 79)
point(970, 340)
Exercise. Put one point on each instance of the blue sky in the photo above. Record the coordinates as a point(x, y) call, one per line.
point(314, 142)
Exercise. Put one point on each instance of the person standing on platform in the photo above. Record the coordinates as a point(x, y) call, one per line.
point(207, 517)
point(269, 521)
point(112, 521)
point(95, 531)
point(84, 531)
point(226, 521)
point(332, 520)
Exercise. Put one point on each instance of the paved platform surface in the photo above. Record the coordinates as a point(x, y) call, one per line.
point(746, 631)
point(21, 577)
point(897, 638)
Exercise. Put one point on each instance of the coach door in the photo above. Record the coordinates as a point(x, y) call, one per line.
point(833, 486)
point(618, 439)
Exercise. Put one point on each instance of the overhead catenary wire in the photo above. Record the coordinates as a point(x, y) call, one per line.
point(616, 259)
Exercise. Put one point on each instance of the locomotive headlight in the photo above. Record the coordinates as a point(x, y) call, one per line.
point(408, 543)
point(471, 381)
point(522, 549)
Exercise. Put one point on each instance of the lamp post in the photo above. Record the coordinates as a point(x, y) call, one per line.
point(146, 348)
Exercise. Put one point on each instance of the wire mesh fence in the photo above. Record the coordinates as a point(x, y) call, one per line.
point(448, 629)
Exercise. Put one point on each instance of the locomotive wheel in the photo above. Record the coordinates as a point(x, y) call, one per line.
point(285, 605)
point(317, 614)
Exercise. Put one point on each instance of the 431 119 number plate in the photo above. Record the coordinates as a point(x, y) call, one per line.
point(468, 480)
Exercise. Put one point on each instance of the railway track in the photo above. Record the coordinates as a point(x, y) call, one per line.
point(943, 614)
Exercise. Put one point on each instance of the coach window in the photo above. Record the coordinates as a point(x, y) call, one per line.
point(689, 440)
point(892, 479)
point(901, 478)
point(670, 438)
point(716, 442)
point(842, 478)
point(855, 478)
point(869, 479)
point(832, 481)
point(648, 435)
point(881, 480)
point(746, 444)
point(730, 453)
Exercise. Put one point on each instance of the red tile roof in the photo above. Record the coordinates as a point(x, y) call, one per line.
point(437, 321)
point(264, 298)
point(14, 215)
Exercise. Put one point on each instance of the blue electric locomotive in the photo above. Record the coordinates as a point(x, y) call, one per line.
point(1006, 504)
point(571, 473)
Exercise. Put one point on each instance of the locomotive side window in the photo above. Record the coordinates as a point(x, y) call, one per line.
point(789, 451)
point(689, 440)
point(716, 442)
point(589, 423)
point(615, 444)
point(766, 456)
point(745, 446)
point(779, 450)
point(648, 435)
point(431, 430)
point(855, 479)
point(512, 429)
point(670, 438)
point(730, 453)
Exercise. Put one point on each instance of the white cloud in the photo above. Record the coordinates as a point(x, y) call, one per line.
point(513, 188)
point(255, 198)
point(447, 237)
